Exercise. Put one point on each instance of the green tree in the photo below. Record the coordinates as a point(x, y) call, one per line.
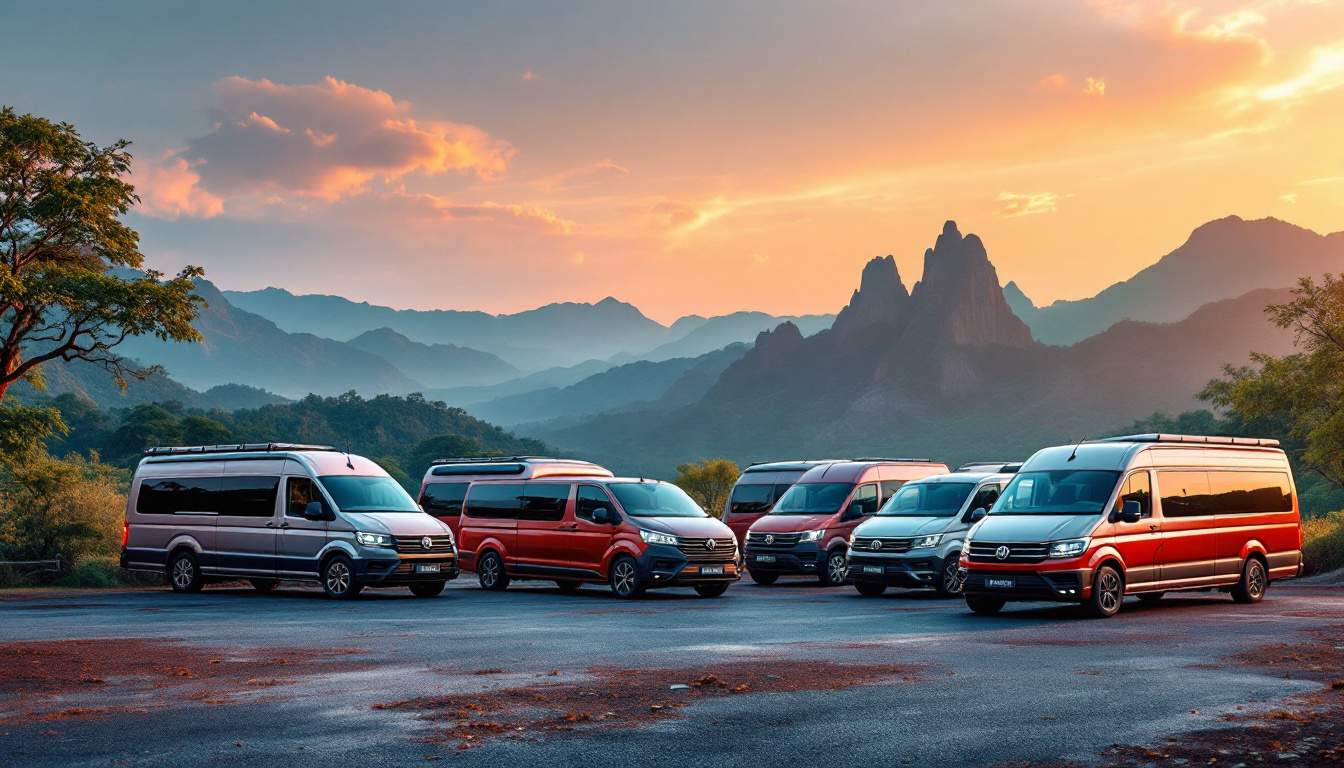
point(64, 255)
point(709, 482)
point(67, 507)
point(1302, 393)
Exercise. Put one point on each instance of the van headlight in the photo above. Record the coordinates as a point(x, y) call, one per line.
point(966, 548)
point(373, 539)
point(812, 535)
point(654, 537)
point(1070, 548)
point(926, 541)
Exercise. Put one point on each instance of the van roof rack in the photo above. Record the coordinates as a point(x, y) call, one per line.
point(497, 460)
point(785, 465)
point(185, 450)
point(994, 466)
point(1221, 440)
point(905, 460)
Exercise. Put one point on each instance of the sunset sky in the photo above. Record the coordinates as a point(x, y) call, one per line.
point(688, 157)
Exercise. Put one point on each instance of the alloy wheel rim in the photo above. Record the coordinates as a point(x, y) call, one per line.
point(950, 581)
point(489, 572)
point(182, 573)
point(338, 578)
point(1256, 583)
point(1110, 591)
point(625, 578)
point(837, 568)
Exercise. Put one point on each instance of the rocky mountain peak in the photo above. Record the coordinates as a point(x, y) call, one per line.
point(958, 300)
point(881, 298)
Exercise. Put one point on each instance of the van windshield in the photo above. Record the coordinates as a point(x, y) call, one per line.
point(368, 493)
point(927, 500)
point(1057, 492)
point(813, 499)
point(655, 500)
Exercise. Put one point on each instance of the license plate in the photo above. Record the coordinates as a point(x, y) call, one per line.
point(872, 570)
point(1001, 583)
point(427, 568)
point(711, 570)
point(765, 558)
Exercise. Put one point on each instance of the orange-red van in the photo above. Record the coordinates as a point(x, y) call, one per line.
point(444, 486)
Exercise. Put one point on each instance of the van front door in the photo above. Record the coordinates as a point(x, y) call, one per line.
point(1189, 533)
point(1139, 542)
point(301, 540)
point(590, 540)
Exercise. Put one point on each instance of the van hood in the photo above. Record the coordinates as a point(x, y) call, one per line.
point(693, 527)
point(790, 523)
point(397, 523)
point(904, 526)
point(1034, 528)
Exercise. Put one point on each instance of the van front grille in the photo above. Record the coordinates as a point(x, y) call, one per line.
point(885, 545)
point(766, 542)
point(414, 545)
point(698, 550)
point(1016, 552)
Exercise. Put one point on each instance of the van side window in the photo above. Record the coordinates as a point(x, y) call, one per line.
point(491, 501)
point(175, 495)
point(751, 499)
point(865, 500)
point(1137, 488)
point(545, 502)
point(780, 490)
point(1249, 493)
point(590, 498)
point(247, 496)
point(444, 499)
point(1184, 494)
point(985, 498)
point(889, 489)
point(299, 491)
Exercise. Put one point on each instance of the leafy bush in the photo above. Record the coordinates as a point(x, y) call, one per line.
point(104, 572)
point(49, 507)
point(1323, 543)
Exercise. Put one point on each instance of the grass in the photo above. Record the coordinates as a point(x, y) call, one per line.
point(1323, 543)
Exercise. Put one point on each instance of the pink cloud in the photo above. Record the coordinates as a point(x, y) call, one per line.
point(585, 175)
point(171, 188)
point(435, 208)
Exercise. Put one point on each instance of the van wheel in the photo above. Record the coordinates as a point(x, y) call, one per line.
point(490, 572)
point(1151, 598)
point(1108, 592)
point(869, 589)
point(428, 588)
point(949, 576)
point(568, 587)
point(625, 582)
point(338, 578)
point(985, 606)
point(836, 569)
point(764, 579)
point(264, 586)
point(715, 589)
point(183, 573)
point(1251, 587)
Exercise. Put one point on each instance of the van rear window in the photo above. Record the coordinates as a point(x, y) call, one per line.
point(444, 499)
point(489, 501)
point(177, 495)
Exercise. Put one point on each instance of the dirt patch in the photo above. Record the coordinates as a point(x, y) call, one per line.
point(624, 698)
point(38, 675)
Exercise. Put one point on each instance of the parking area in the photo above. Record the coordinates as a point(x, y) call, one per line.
point(791, 674)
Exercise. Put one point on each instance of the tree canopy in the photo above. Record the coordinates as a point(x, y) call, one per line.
point(709, 482)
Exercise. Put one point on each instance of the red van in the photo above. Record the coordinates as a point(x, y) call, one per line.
point(444, 485)
point(631, 534)
point(1139, 515)
point(758, 488)
point(807, 531)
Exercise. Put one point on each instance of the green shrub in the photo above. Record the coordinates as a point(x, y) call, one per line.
point(1323, 543)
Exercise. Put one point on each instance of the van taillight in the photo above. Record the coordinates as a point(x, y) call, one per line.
point(125, 533)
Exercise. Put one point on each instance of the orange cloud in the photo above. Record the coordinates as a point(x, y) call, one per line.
point(1094, 86)
point(519, 216)
point(1028, 204)
point(528, 76)
point(585, 175)
point(171, 189)
point(1053, 82)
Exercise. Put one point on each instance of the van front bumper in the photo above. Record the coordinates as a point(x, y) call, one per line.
point(920, 571)
point(1020, 585)
point(662, 565)
point(805, 558)
point(391, 572)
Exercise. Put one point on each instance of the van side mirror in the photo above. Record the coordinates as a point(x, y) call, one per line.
point(602, 516)
point(977, 515)
point(1132, 512)
point(314, 511)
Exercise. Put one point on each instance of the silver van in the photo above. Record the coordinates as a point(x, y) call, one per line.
point(915, 539)
point(270, 511)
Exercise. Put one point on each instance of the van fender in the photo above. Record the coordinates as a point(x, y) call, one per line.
point(184, 540)
point(1108, 552)
point(339, 545)
point(837, 542)
point(617, 548)
point(489, 542)
point(951, 547)
point(1253, 547)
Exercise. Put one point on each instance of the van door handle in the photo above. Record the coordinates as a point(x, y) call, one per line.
point(570, 527)
point(270, 523)
point(1152, 526)
point(284, 524)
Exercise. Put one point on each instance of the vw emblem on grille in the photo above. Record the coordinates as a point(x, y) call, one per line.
point(710, 544)
point(876, 545)
point(1001, 553)
point(427, 543)
point(770, 538)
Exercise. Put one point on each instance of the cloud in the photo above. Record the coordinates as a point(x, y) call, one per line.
point(1094, 86)
point(1324, 71)
point(509, 215)
point(1029, 203)
point(1289, 197)
point(327, 140)
point(671, 214)
point(170, 188)
point(528, 76)
point(1053, 82)
point(584, 175)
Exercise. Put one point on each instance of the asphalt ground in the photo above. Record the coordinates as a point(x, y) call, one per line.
point(790, 675)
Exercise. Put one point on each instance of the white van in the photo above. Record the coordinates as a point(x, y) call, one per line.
point(271, 511)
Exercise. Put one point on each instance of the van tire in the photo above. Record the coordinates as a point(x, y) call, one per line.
point(184, 575)
point(264, 586)
point(985, 606)
point(427, 588)
point(949, 577)
point(713, 589)
point(869, 589)
point(491, 574)
point(1151, 598)
point(1254, 581)
point(1108, 593)
point(568, 587)
point(764, 579)
point(338, 578)
point(835, 571)
point(624, 578)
